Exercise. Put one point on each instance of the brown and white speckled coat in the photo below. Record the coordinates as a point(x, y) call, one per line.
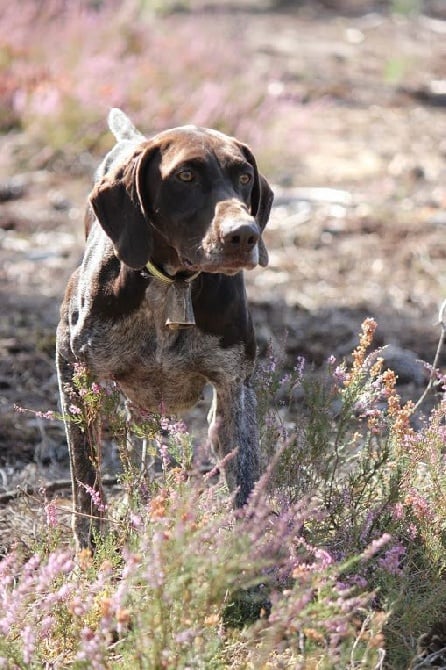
point(191, 202)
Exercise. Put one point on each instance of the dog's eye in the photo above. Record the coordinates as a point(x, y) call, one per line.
point(185, 175)
point(245, 178)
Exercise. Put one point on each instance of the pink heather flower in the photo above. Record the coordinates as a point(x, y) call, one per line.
point(91, 649)
point(155, 572)
point(285, 379)
point(95, 496)
point(46, 625)
point(79, 368)
point(323, 557)
point(391, 561)
point(272, 363)
point(7, 570)
point(359, 580)
point(398, 511)
point(300, 365)
point(78, 606)
point(31, 566)
point(96, 388)
point(29, 643)
point(135, 520)
point(180, 428)
point(132, 563)
point(39, 415)
point(186, 636)
point(340, 374)
point(412, 531)
point(74, 409)
point(109, 388)
point(64, 591)
point(375, 546)
point(419, 504)
point(51, 514)
point(442, 432)
point(45, 415)
point(351, 581)
point(374, 413)
point(58, 564)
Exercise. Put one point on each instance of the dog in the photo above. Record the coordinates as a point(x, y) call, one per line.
point(158, 304)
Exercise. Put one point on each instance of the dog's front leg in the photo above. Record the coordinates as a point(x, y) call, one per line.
point(83, 444)
point(233, 426)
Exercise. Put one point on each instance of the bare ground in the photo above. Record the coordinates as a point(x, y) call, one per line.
point(358, 227)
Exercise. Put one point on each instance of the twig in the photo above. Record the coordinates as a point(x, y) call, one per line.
point(51, 487)
point(360, 635)
point(433, 373)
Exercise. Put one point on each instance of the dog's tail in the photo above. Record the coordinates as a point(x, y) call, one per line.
point(121, 126)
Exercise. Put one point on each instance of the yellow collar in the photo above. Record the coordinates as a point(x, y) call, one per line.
point(155, 272)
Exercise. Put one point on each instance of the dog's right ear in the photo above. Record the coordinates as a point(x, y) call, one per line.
point(116, 202)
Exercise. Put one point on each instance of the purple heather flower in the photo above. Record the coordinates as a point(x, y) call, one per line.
point(95, 496)
point(391, 561)
point(51, 514)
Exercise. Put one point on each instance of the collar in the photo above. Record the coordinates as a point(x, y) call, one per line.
point(179, 311)
point(167, 279)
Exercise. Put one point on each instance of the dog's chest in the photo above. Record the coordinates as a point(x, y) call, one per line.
point(154, 366)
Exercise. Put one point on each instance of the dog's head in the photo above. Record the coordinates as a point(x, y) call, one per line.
point(190, 199)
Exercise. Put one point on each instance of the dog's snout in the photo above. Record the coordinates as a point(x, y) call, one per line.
point(241, 236)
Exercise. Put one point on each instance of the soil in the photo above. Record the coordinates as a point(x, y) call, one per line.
point(358, 228)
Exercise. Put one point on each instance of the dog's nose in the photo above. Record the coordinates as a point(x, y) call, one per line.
point(241, 237)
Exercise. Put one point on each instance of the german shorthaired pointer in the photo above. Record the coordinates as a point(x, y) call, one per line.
point(159, 304)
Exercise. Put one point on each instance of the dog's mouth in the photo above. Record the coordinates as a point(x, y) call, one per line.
point(219, 261)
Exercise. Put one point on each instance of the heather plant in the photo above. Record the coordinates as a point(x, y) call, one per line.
point(161, 603)
point(336, 562)
point(159, 68)
point(355, 450)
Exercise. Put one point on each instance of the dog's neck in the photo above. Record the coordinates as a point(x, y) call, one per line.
point(164, 262)
point(167, 270)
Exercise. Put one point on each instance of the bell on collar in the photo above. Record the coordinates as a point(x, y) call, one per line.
point(179, 309)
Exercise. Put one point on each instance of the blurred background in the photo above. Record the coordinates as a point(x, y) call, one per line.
point(343, 104)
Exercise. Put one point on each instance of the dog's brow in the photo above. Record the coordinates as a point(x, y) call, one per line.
point(238, 163)
point(176, 156)
point(190, 159)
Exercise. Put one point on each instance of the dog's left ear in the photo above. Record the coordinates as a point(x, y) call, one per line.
point(261, 201)
point(117, 202)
